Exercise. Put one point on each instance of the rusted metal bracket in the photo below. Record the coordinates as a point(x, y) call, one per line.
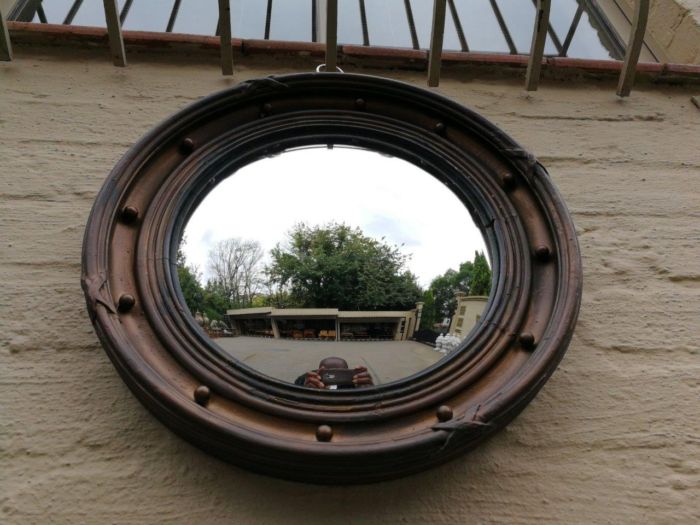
point(634, 48)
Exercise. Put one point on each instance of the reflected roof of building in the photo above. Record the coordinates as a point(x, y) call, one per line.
point(304, 312)
point(316, 312)
point(370, 313)
point(250, 311)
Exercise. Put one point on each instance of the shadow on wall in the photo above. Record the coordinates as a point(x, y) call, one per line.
point(428, 497)
point(469, 486)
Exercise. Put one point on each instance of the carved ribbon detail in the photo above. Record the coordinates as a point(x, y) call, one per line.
point(97, 292)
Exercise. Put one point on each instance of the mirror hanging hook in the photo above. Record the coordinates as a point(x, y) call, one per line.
point(322, 69)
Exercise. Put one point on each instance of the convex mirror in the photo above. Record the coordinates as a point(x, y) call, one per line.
point(394, 186)
point(334, 252)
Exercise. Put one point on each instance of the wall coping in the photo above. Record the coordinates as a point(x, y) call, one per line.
point(33, 34)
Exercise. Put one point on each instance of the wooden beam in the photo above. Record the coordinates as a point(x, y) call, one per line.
point(436, 37)
point(5, 44)
point(552, 33)
point(331, 35)
point(539, 37)
point(225, 37)
point(634, 48)
point(114, 30)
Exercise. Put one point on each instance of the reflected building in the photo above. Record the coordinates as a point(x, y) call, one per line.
point(328, 324)
point(467, 314)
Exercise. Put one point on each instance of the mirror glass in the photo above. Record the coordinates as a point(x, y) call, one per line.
point(334, 267)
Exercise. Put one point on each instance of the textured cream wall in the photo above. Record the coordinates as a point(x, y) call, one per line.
point(673, 28)
point(614, 437)
point(675, 24)
point(693, 6)
point(688, 29)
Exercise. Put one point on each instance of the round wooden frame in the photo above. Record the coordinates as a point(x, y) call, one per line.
point(266, 425)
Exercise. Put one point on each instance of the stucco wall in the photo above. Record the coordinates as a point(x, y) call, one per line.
point(674, 27)
point(614, 437)
point(691, 19)
point(693, 6)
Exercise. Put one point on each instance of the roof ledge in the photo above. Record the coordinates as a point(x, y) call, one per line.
point(28, 34)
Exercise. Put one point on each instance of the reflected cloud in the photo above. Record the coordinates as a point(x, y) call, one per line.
point(389, 228)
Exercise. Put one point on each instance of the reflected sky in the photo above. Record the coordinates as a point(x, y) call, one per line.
point(384, 196)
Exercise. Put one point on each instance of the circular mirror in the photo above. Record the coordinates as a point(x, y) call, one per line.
point(334, 267)
point(342, 202)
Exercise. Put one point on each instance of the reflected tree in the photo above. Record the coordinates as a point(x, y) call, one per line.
point(190, 283)
point(429, 316)
point(237, 272)
point(472, 278)
point(337, 266)
point(237, 275)
point(329, 266)
point(480, 281)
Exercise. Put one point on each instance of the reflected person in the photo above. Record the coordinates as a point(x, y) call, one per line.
point(334, 373)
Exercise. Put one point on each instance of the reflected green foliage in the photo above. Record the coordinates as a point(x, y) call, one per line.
point(429, 314)
point(209, 300)
point(336, 266)
point(444, 288)
point(189, 284)
point(333, 266)
point(473, 278)
point(216, 302)
point(481, 278)
point(236, 271)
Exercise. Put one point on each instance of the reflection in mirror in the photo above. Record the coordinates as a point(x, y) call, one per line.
point(334, 267)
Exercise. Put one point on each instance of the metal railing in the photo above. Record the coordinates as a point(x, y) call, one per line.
point(629, 67)
point(395, 16)
point(542, 29)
